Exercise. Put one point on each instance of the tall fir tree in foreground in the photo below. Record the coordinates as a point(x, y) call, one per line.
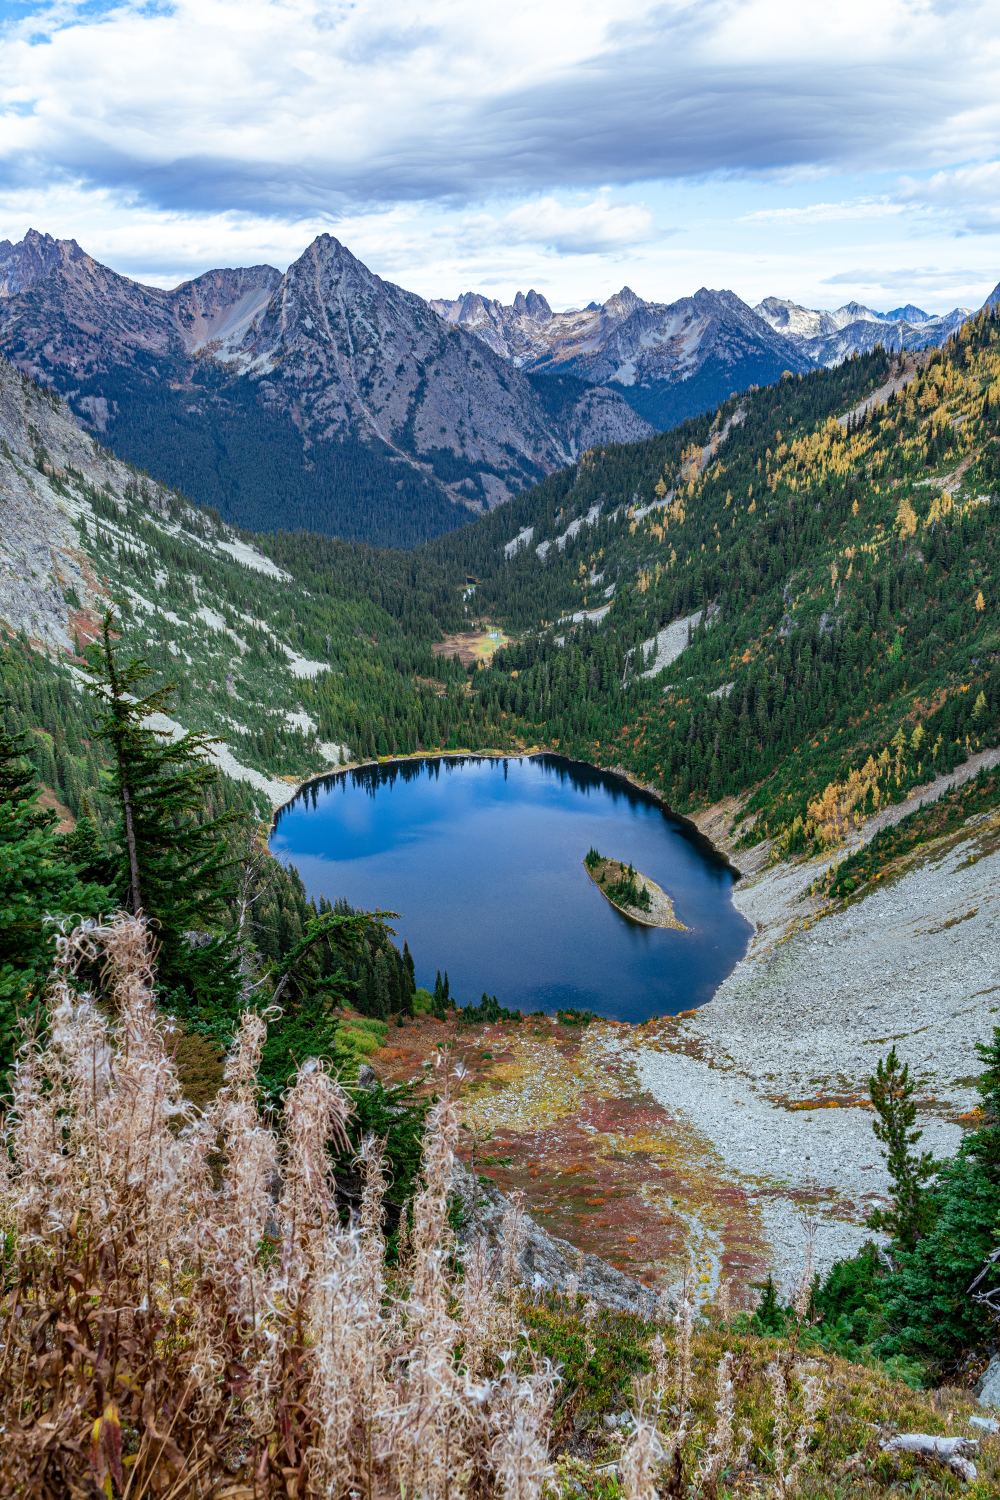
point(938, 1295)
point(40, 886)
point(911, 1213)
point(937, 1303)
point(172, 863)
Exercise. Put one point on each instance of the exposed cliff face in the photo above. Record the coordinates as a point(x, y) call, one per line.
point(518, 332)
point(65, 316)
point(215, 310)
point(80, 530)
point(530, 334)
point(350, 354)
point(31, 259)
point(326, 397)
point(42, 563)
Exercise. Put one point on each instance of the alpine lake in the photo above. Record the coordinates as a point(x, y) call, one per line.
point(483, 860)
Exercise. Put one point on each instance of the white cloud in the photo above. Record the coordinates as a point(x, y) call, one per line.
point(500, 143)
point(865, 209)
point(302, 106)
point(968, 196)
point(580, 228)
point(155, 246)
point(938, 288)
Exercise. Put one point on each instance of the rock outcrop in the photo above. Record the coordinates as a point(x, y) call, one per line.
point(547, 1263)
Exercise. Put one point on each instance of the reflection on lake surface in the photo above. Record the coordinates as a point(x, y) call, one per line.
point(483, 859)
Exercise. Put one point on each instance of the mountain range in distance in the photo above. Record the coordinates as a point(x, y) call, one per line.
point(328, 399)
point(642, 346)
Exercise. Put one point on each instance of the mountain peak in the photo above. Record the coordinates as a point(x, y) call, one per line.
point(910, 313)
point(330, 251)
point(28, 261)
point(622, 303)
point(534, 305)
point(715, 298)
point(331, 248)
point(325, 239)
point(327, 267)
point(35, 237)
point(859, 313)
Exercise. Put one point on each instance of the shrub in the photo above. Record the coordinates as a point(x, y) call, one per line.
point(183, 1306)
point(186, 1310)
point(423, 1002)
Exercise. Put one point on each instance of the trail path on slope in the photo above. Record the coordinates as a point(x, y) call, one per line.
point(920, 796)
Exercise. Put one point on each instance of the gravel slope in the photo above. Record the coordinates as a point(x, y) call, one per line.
point(804, 1019)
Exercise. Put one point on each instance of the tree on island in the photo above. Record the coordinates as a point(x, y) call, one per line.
point(626, 890)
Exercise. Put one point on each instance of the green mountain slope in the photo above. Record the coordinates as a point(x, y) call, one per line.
point(296, 661)
point(791, 603)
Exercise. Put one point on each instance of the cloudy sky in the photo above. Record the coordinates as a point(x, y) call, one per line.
point(817, 149)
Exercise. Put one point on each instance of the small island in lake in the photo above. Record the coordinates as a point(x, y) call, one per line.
point(635, 896)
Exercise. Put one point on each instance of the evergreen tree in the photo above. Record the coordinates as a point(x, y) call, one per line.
point(927, 1308)
point(171, 862)
point(440, 1006)
point(892, 1092)
point(984, 1143)
point(40, 885)
point(84, 850)
point(411, 978)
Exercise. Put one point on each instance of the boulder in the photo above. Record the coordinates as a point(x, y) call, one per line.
point(988, 1389)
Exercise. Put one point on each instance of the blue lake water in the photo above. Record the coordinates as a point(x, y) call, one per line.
point(483, 859)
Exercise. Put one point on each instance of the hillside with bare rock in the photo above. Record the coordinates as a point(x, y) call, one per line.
point(326, 398)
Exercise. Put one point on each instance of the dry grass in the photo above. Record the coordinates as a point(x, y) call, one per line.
point(186, 1313)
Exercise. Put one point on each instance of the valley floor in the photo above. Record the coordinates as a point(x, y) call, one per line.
point(732, 1135)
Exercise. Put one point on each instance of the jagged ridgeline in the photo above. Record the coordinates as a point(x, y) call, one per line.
point(791, 603)
point(330, 399)
point(325, 398)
